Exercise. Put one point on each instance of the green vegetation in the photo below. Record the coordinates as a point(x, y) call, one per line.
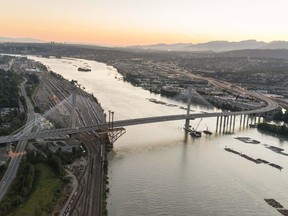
point(279, 116)
point(3, 169)
point(38, 183)
point(280, 130)
point(64, 156)
point(4, 59)
point(9, 99)
point(9, 91)
point(11, 122)
point(32, 83)
point(44, 196)
point(21, 188)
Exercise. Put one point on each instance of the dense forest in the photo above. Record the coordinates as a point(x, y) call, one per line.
point(9, 97)
point(9, 91)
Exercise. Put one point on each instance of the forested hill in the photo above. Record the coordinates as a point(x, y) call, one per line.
point(256, 53)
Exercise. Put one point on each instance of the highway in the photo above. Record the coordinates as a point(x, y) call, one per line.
point(86, 199)
point(15, 161)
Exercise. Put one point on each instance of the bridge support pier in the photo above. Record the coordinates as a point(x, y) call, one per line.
point(217, 122)
point(247, 123)
point(221, 118)
point(234, 117)
point(244, 119)
point(240, 120)
point(224, 124)
point(230, 126)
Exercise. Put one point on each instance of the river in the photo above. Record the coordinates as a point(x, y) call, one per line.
point(155, 170)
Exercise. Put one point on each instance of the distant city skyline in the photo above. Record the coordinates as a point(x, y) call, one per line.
point(144, 22)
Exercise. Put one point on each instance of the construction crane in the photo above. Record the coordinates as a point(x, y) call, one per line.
point(198, 124)
point(194, 132)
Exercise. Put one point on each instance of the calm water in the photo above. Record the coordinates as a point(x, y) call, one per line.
point(156, 170)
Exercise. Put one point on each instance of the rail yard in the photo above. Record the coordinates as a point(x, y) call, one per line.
point(85, 199)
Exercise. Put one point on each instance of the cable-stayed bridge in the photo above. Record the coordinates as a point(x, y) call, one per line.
point(271, 105)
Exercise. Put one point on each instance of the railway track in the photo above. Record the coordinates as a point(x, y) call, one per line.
point(87, 199)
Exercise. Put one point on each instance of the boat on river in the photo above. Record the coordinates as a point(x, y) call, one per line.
point(195, 133)
point(207, 132)
point(84, 69)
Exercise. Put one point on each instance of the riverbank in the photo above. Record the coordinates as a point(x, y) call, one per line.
point(274, 129)
point(154, 170)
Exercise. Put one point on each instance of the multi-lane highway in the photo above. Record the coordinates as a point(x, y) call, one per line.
point(14, 162)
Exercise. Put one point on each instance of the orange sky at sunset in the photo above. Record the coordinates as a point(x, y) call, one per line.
point(130, 22)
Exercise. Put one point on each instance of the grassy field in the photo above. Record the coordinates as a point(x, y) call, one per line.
point(42, 199)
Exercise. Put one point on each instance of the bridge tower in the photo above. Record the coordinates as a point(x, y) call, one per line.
point(112, 133)
point(73, 115)
point(187, 123)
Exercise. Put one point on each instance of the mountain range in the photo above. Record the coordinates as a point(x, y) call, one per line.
point(20, 40)
point(215, 46)
point(212, 46)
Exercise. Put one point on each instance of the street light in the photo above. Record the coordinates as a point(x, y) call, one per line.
point(112, 119)
point(109, 118)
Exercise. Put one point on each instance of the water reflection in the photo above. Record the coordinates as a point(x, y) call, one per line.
point(157, 169)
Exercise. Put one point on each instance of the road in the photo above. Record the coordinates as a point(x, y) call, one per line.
point(15, 161)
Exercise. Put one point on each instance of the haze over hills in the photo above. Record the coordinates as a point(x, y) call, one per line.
point(248, 48)
point(20, 40)
point(215, 46)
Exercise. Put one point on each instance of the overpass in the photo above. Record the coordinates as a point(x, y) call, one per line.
point(271, 105)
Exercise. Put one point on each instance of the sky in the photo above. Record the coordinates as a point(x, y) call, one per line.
point(131, 22)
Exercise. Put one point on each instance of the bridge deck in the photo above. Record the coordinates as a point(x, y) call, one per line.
point(122, 123)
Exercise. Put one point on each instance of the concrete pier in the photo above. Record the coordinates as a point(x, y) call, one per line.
point(234, 118)
point(217, 122)
point(230, 126)
point(247, 123)
point(224, 124)
point(221, 118)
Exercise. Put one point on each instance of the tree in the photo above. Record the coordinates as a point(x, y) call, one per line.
point(56, 163)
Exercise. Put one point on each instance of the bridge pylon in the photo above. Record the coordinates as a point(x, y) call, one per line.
point(73, 116)
point(187, 122)
point(113, 133)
